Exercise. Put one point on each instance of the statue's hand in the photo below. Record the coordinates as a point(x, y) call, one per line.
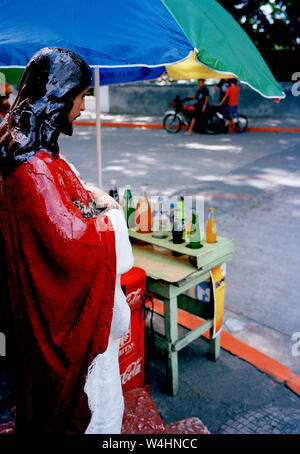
point(103, 199)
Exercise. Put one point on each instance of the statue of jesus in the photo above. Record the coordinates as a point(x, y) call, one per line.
point(64, 249)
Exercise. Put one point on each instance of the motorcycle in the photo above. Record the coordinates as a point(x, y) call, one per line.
point(213, 121)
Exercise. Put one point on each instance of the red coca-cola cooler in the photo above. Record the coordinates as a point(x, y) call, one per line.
point(132, 349)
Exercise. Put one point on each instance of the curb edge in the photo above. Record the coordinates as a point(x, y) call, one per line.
point(238, 348)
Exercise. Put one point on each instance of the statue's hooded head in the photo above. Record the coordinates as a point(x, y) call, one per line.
point(52, 79)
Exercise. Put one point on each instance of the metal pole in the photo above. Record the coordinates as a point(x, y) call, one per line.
point(98, 128)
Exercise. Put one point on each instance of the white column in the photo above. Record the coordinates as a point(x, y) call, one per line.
point(98, 128)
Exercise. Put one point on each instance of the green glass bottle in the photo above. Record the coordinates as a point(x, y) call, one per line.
point(194, 232)
point(128, 208)
point(181, 214)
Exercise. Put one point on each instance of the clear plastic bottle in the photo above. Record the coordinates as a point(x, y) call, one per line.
point(211, 227)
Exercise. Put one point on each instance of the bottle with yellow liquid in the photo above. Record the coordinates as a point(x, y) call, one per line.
point(211, 228)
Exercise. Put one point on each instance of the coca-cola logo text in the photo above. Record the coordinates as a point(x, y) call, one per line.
point(132, 370)
point(134, 296)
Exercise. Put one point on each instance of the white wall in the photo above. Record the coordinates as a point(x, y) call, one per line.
point(90, 101)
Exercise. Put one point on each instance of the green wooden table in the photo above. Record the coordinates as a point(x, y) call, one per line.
point(168, 276)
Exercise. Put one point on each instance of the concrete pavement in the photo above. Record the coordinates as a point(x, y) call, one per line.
point(252, 180)
point(229, 396)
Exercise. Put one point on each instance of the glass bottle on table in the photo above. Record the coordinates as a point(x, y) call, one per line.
point(161, 222)
point(194, 236)
point(113, 190)
point(128, 207)
point(143, 213)
point(211, 227)
point(177, 232)
point(172, 215)
point(181, 214)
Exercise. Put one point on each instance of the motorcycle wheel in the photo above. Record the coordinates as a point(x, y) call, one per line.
point(172, 123)
point(210, 126)
point(241, 123)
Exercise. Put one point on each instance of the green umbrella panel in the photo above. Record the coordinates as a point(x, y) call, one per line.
point(222, 45)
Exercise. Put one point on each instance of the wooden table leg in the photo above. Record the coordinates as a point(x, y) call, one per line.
point(214, 345)
point(171, 334)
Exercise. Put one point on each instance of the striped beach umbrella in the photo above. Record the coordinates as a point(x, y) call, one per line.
point(134, 39)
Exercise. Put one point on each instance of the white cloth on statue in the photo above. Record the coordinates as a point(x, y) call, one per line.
point(103, 382)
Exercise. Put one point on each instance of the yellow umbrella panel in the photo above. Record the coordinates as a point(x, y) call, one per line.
point(192, 69)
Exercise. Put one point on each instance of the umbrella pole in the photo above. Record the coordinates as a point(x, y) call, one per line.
point(98, 128)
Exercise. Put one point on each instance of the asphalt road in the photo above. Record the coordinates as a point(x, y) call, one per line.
point(253, 181)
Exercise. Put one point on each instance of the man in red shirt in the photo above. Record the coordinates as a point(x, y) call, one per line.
point(232, 94)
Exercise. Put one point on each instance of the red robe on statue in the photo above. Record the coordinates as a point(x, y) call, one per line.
point(62, 270)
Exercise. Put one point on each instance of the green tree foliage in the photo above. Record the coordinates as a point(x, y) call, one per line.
point(274, 27)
